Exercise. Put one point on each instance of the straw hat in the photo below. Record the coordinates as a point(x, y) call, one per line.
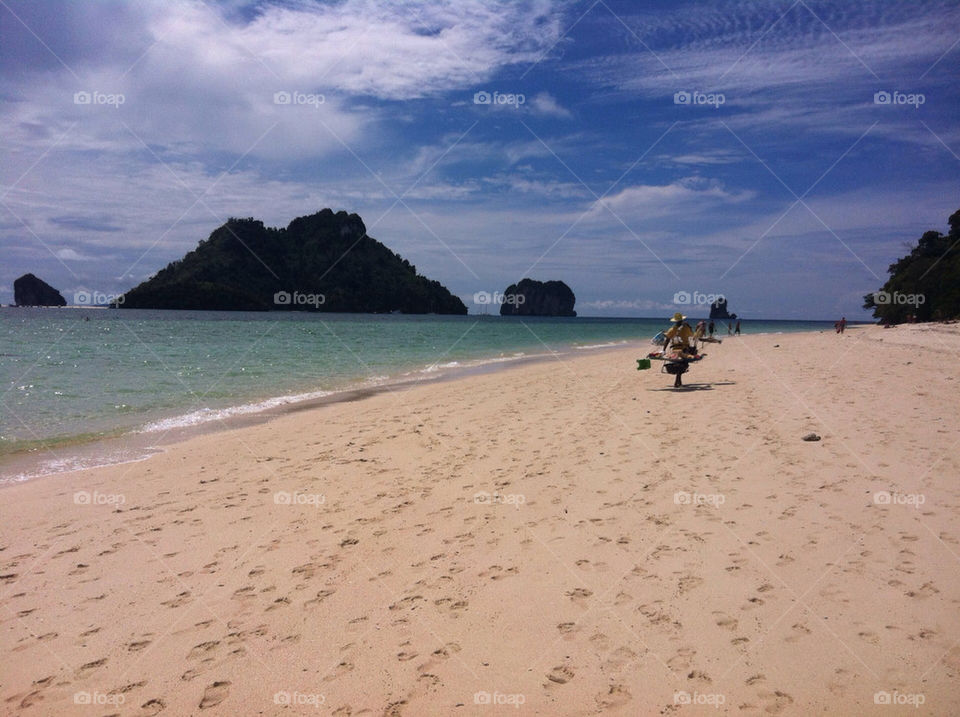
point(678, 317)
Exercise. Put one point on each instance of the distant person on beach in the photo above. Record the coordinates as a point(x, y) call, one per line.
point(701, 330)
point(729, 329)
point(841, 325)
point(737, 329)
point(711, 328)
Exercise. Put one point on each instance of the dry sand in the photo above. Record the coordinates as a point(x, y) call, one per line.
point(646, 548)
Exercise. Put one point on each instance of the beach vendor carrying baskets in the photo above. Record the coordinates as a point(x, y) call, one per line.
point(680, 341)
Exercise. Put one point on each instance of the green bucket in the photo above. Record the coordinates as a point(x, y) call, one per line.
point(643, 364)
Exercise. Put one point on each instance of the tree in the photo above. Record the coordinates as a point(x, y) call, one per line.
point(925, 283)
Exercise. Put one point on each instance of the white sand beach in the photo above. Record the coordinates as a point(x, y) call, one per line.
point(564, 538)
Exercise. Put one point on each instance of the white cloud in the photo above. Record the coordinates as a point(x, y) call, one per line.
point(203, 82)
point(71, 255)
point(801, 68)
point(691, 194)
point(702, 158)
point(544, 104)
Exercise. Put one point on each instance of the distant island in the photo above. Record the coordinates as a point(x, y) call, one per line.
point(530, 297)
point(718, 310)
point(30, 290)
point(321, 262)
point(925, 284)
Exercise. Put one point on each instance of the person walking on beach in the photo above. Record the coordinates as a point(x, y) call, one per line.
point(711, 328)
point(737, 329)
point(841, 325)
point(679, 338)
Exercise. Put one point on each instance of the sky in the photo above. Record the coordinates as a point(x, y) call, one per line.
point(652, 155)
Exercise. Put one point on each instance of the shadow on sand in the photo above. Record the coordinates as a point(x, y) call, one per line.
point(694, 386)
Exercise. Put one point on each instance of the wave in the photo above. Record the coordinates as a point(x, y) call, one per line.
point(609, 344)
point(205, 415)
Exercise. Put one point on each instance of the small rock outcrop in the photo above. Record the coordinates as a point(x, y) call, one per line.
point(718, 310)
point(29, 290)
point(538, 298)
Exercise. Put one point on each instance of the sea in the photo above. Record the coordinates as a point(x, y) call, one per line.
point(88, 387)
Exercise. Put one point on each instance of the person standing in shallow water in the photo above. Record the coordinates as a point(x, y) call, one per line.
point(737, 329)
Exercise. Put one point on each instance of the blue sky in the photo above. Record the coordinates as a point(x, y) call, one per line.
point(782, 183)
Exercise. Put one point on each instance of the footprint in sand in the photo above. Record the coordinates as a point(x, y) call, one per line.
point(560, 675)
point(321, 596)
point(699, 676)
point(870, 637)
point(179, 600)
point(777, 702)
point(681, 661)
point(726, 622)
point(215, 694)
point(926, 590)
point(579, 595)
point(202, 649)
point(448, 649)
point(688, 583)
point(86, 669)
point(614, 696)
point(799, 631)
point(153, 707)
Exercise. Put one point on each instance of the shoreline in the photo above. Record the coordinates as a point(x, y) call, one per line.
point(147, 439)
point(139, 443)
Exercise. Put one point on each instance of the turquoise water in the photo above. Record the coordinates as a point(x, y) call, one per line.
point(73, 375)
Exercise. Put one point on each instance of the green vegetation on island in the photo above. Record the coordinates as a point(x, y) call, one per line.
point(530, 297)
point(924, 284)
point(321, 262)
